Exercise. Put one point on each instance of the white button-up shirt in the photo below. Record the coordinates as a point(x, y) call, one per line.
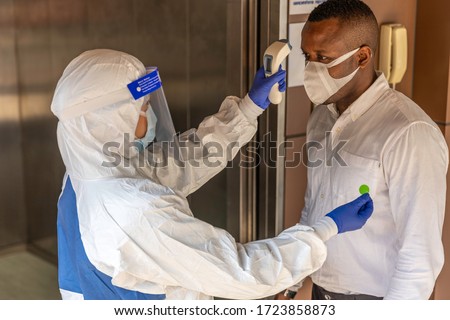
point(385, 141)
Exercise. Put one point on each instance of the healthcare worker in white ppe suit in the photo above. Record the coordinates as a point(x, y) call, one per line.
point(126, 231)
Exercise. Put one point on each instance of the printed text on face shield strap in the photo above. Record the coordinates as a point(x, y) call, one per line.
point(258, 310)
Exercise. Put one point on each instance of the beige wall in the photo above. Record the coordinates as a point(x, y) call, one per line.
point(431, 90)
point(403, 12)
point(427, 81)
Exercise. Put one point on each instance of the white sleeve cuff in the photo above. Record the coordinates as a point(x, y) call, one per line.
point(250, 109)
point(325, 228)
point(296, 286)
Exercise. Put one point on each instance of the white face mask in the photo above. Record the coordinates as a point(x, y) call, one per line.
point(151, 130)
point(319, 85)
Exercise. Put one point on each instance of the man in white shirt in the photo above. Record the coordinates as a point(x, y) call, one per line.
point(375, 136)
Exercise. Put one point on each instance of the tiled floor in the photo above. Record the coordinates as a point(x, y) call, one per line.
point(24, 276)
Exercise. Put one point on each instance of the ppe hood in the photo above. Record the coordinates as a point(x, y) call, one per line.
point(96, 112)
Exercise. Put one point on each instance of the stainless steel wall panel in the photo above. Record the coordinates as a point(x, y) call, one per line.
point(43, 169)
point(189, 41)
point(12, 202)
point(68, 33)
point(207, 88)
point(162, 41)
point(111, 24)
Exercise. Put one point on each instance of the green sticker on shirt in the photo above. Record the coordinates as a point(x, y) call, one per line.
point(364, 189)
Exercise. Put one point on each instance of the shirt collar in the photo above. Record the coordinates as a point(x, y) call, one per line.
point(366, 100)
point(333, 110)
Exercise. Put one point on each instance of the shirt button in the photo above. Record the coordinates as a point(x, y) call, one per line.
point(327, 297)
point(322, 196)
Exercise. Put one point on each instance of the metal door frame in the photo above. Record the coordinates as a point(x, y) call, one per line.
point(255, 210)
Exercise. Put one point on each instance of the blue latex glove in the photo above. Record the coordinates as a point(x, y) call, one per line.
point(259, 93)
point(353, 215)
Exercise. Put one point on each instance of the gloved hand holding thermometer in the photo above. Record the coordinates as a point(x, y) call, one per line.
point(270, 80)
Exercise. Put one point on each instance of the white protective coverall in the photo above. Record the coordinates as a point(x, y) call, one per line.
point(134, 220)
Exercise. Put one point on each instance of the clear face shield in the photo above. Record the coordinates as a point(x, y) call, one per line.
point(151, 86)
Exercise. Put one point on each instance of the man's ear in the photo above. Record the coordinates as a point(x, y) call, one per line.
point(365, 54)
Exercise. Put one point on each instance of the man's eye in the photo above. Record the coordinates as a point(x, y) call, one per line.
point(306, 56)
point(322, 58)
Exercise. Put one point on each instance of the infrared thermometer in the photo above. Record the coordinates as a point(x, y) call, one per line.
point(273, 57)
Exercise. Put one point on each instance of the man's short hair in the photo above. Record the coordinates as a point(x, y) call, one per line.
point(352, 13)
